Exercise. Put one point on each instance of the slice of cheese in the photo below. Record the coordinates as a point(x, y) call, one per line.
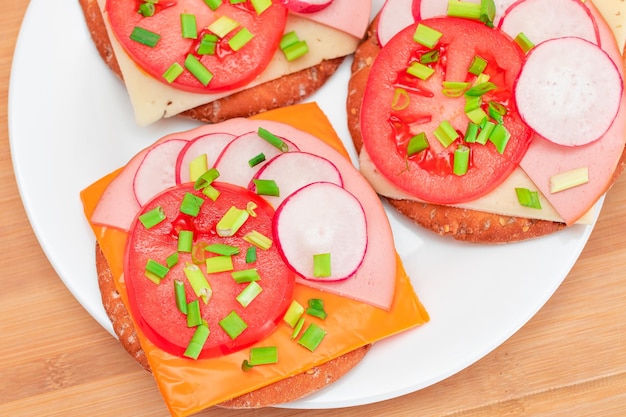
point(152, 99)
point(614, 13)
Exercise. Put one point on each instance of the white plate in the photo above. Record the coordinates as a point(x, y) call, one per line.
point(71, 123)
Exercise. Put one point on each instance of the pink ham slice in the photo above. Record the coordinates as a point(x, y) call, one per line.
point(335, 16)
point(544, 158)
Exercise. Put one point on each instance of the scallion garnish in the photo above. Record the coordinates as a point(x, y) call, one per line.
point(206, 179)
point(155, 271)
point(523, 42)
point(173, 72)
point(232, 220)
point(193, 313)
point(295, 51)
point(197, 341)
point(220, 263)
point(481, 89)
point(461, 160)
point(198, 166)
point(312, 337)
point(401, 99)
point(213, 4)
point(233, 324)
point(464, 9)
point(297, 328)
point(222, 249)
point(146, 9)
point(145, 37)
point(240, 39)
point(485, 132)
point(251, 207)
point(454, 88)
point(487, 12)
point(191, 204)
point(472, 103)
point(288, 39)
point(208, 44)
point(198, 281)
point(180, 296)
point(185, 241)
point(245, 275)
point(321, 265)
point(152, 217)
point(417, 144)
point(293, 313)
point(266, 187)
point(430, 57)
point(471, 132)
point(198, 70)
point(256, 160)
point(172, 260)
point(260, 356)
point(446, 133)
point(251, 255)
point(211, 192)
point(188, 27)
point(476, 115)
point(477, 66)
point(273, 139)
point(427, 36)
point(500, 137)
point(258, 239)
point(316, 308)
point(496, 111)
point(528, 198)
point(261, 5)
point(249, 293)
point(419, 70)
point(223, 26)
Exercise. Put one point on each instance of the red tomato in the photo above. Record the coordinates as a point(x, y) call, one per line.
point(153, 305)
point(428, 174)
point(230, 69)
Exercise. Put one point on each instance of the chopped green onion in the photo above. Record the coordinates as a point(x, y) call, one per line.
point(295, 51)
point(321, 265)
point(222, 249)
point(260, 356)
point(481, 89)
point(454, 88)
point(248, 294)
point(487, 12)
point(146, 9)
point(477, 66)
point(471, 132)
point(288, 39)
point(208, 44)
point(180, 296)
point(155, 271)
point(188, 27)
point(145, 37)
point(420, 71)
point(401, 99)
point(233, 324)
point(198, 70)
point(231, 222)
point(472, 103)
point(191, 204)
point(211, 192)
point(251, 255)
point(500, 137)
point(523, 42)
point(312, 337)
point(206, 179)
point(273, 139)
point(173, 72)
point(221, 263)
point(266, 187)
point(172, 260)
point(185, 241)
point(256, 160)
point(223, 26)
point(193, 313)
point(197, 341)
point(293, 313)
point(496, 111)
point(152, 217)
point(430, 57)
point(485, 132)
point(316, 308)
point(251, 207)
point(477, 115)
point(528, 198)
point(461, 160)
point(427, 36)
point(297, 328)
point(261, 5)
point(240, 39)
point(464, 9)
point(213, 4)
point(245, 275)
point(198, 281)
point(198, 166)
point(258, 239)
point(417, 144)
point(446, 133)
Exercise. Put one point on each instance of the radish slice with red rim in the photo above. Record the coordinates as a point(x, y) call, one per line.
point(569, 91)
point(394, 16)
point(321, 218)
point(306, 6)
point(211, 145)
point(294, 170)
point(157, 171)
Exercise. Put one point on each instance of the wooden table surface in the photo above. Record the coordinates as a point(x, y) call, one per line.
point(56, 360)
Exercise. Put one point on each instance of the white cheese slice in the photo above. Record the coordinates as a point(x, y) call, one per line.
point(614, 12)
point(502, 200)
point(152, 99)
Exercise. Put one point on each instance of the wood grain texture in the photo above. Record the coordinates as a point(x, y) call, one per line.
point(55, 360)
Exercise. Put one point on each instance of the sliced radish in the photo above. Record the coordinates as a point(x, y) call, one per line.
point(569, 91)
point(211, 145)
point(321, 218)
point(394, 16)
point(294, 170)
point(157, 171)
point(541, 20)
point(233, 165)
point(306, 6)
point(435, 8)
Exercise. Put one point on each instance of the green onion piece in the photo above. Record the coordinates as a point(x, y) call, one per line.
point(427, 36)
point(487, 12)
point(461, 160)
point(145, 37)
point(254, 161)
point(245, 275)
point(500, 137)
point(230, 223)
point(266, 187)
point(221, 263)
point(197, 341)
point(446, 133)
point(430, 57)
point(191, 204)
point(222, 249)
point(188, 27)
point(198, 281)
point(156, 268)
point(173, 72)
point(288, 39)
point(321, 265)
point(496, 111)
point(213, 4)
point(297, 328)
point(223, 26)
point(261, 5)
point(233, 324)
point(197, 167)
point(485, 132)
point(481, 89)
point(172, 260)
point(263, 355)
point(401, 99)
point(293, 314)
point(152, 217)
point(523, 42)
point(477, 66)
point(237, 1)
point(240, 39)
point(193, 313)
point(464, 9)
point(528, 198)
point(208, 44)
point(472, 103)
point(211, 192)
point(420, 71)
point(251, 207)
point(417, 144)
point(454, 88)
point(251, 255)
point(146, 9)
point(477, 115)
point(198, 70)
point(316, 308)
point(471, 132)
point(248, 294)
point(258, 239)
point(312, 337)
point(273, 139)
point(180, 296)
point(295, 51)
point(206, 179)
point(185, 241)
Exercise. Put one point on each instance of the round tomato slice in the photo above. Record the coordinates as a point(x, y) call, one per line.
point(398, 106)
point(153, 305)
point(229, 68)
